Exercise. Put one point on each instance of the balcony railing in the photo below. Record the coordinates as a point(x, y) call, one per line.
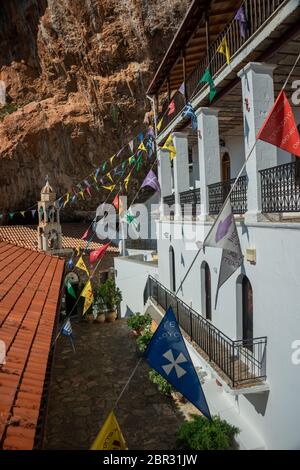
point(190, 202)
point(142, 244)
point(280, 188)
point(218, 192)
point(243, 362)
point(258, 12)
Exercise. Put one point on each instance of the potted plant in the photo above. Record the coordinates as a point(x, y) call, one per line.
point(138, 323)
point(111, 297)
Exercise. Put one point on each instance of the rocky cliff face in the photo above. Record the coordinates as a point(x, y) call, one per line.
point(73, 74)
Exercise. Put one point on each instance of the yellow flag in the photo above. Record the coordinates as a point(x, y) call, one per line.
point(158, 127)
point(169, 145)
point(224, 49)
point(110, 436)
point(67, 199)
point(95, 178)
point(109, 177)
point(126, 181)
point(87, 293)
point(81, 265)
point(81, 194)
point(112, 159)
point(109, 188)
point(142, 147)
point(23, 213)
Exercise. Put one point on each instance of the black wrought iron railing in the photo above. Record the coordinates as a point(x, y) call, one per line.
point(169, 200)
point(142, 244)
point(257, 12)
point(280, 188)
point(243, 362)
point(190, 202)
point(218, 192)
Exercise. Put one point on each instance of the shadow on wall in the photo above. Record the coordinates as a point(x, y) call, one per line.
point(259, 401)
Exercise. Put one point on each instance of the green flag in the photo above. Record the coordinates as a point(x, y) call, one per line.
point(207, 78)
point(70, 289)
point(104, 166)
point(139, 162)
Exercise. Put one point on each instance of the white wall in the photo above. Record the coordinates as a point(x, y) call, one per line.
point(275, 281)
point(131, 278)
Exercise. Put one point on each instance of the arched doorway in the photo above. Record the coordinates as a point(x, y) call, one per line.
point(225, 167)
point(247, 305)
point(172, 269)
point(206, 290)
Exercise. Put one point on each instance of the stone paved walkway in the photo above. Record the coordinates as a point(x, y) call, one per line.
point(85, 385)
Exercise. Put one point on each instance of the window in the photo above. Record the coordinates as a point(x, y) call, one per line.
point(225, 167)
point(172, 269)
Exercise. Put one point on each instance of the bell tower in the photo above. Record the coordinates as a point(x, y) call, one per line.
point(49, 228)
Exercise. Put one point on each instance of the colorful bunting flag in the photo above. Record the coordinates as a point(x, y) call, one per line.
point(86, 182)
point(109, 188)
point(11, 214)
point(131, 160)
point(81, 265)
point(104, 166)
point(207, 78)
point(131, 145)
point(126, 181)
point(150, 132)
point(188, 111)
point(96, 254)
point(241, 18)
point(224, 49)
point(67, 199)
point(70, 289)
point(110, 177)
point(182, 89)
point(171, 108)
point(141, 137)
point(168, 355)
point(110, 436)
point(139, 162)
point(280, 128)
point(33, 211)
point(87, 293)
point(81, 194)
point(158, 127)
point(142, 147)
point(112, 159)
point(71, 263)
point(152, 181)
point(169, 145)
point(22, 213)
point(88, 190)
point(85, 235)
point(116, 202)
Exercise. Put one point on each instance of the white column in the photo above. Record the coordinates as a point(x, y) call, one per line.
point(196, 177)
point(180, 168)
point(164, 175)
point(208, 154)
point(258, 98)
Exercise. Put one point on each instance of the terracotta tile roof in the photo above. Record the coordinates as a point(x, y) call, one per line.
point(26, 236)
point(29, 292)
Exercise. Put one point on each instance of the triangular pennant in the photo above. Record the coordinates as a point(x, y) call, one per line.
point(110, 436)
point(207, 78)
point(169, 145)
point(224, 49)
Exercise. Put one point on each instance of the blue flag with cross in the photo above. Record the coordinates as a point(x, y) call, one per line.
point(168, 355)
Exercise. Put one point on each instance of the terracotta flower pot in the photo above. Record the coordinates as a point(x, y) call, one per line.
point(90, 318)
point(100, 318)
point(111, 316)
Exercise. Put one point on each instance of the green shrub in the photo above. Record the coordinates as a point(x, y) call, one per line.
point(8, 109)
point(162, 384)
point(202, 434)
point(143, 340)
point(139, 322)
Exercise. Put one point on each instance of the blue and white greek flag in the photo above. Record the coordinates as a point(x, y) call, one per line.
point(67, 329)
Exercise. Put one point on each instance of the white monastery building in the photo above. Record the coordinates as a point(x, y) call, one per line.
point(246, 346)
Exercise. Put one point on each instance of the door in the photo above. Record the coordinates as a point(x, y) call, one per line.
point(172, 269)
point(207, 292)
point(247, 313)
point(225, 167)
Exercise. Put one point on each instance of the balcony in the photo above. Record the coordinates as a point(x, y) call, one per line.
point(189, 200)
point(240, 363)
point(258, 13)
point(280, 188)
point(218, 192)
point(141, 244)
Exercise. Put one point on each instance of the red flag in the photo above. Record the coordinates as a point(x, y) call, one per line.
point(94, 255)
point(171, 108)
point(88, 190)
point(280, 128)
point(85, 235)
point(116, 202)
